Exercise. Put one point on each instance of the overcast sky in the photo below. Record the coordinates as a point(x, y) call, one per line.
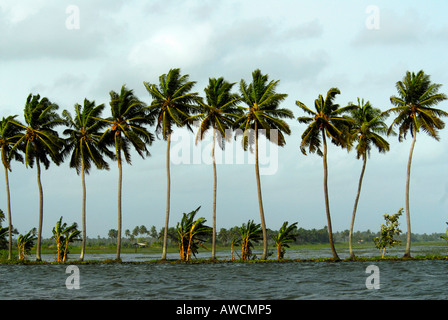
point(71, 50)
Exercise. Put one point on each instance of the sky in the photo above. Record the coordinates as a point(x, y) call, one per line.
point(71, 50)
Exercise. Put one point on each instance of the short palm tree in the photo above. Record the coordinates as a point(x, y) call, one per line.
point(219, 112)
point(191, 233)
point(41, 143)
point(285, 235)
point(366, 130)
point(326, 121)
point(8, 137)
point(126, 129)
point(63, 235)
point(250, 233)
point(262, 115)
point(84, 131)
point(173, 103)
point(414, 107)
point(25, 243)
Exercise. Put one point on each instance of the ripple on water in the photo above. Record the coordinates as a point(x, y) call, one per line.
point(233, 281)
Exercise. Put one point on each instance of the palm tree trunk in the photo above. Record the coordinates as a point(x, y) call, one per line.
point(408, 217)
point(260, 200)
point(352, 255)
point(215, 179)
point(83, 178)
point(41, 212)
point(9, 215)
point(119, 205)
point(327, 202)
point(168, 186)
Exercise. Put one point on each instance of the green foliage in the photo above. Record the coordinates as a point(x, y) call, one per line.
point(250, 233)
point(388, 232)
point(190, 234)
point(64, 235)
point(25, 243)
point(414, 106)
point(285, 236)
point(445, 237)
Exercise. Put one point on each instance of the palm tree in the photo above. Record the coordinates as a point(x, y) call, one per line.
point(83, 134)
point(262, 115)
point(219, 112)
point(190, 234)
point(63, 235)
point(172, 105)
point(126, 128)
point(326, 121)
point(25, 243)
point(250, 233)
point(8, 137)
point(415, 111)
point(40, 142)
point(367, 127)
point(285, 235)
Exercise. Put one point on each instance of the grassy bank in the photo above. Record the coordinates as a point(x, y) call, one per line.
point(427, 251)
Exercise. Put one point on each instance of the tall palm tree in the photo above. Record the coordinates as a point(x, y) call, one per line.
point(126, 129)
point(262, 115)
point(8, 137)
point(415, 111)
point(326, 121)
point(219, 112)
point(84, 131)
point(366, 130)
point(172, 105)
point(41, 144)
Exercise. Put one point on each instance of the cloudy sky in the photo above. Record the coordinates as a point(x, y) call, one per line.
point(71, 50)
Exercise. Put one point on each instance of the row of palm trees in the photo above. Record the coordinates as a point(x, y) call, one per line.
point(91, 138)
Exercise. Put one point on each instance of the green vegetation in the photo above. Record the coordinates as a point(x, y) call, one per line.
point(388, 232)
point(254, 110)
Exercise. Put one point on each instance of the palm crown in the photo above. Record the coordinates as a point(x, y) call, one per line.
point(262, 111)
point(172, 101)
point(84, 133)
point(414, 106)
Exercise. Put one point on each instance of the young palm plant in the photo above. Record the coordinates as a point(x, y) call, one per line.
point(63, 235)
point(326, 121)
point(84, 131)
point(126, 129)
point(250, 233)
point(366, 130)
point(173, 103)
point(41, 143)
point(8, 137)
point(285, 235)
point(25, 243)
point(191, 234)
point(219, 112)
point(262, 115)
point(414, 107)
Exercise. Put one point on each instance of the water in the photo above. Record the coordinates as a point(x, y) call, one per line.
point(422, 280)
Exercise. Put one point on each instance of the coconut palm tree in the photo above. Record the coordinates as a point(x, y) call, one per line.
point(84, 131)
point(126, 129)
point(262, 115)
point(41, 143)
point(326, 121)
point(219, 112)
point(8, 137)
point(366, 130)
point(173, 103)
point(414, 107)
